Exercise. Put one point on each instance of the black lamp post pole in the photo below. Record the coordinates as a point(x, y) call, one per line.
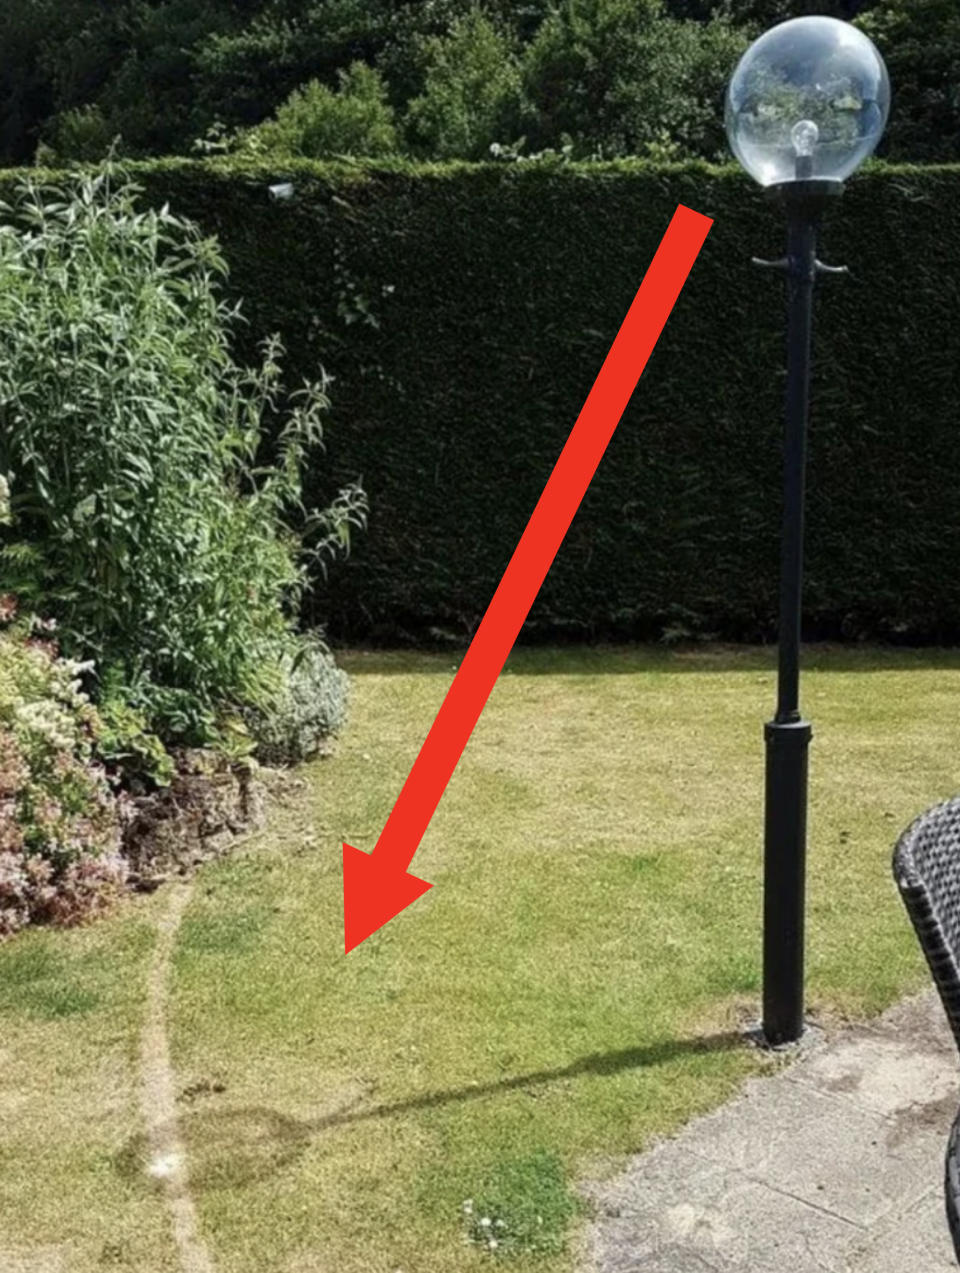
point(788, 735)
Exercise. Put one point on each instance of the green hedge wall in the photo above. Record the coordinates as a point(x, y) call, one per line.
point(464, 312)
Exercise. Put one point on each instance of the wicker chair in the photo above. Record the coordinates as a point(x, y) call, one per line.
point(926, 866)
point(951, 1186)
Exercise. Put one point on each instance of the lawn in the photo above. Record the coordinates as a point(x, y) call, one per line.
point(570, 988)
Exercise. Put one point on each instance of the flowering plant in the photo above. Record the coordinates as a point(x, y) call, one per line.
point(59, 830)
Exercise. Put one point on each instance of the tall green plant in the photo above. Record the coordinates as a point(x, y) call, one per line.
point(141, 514)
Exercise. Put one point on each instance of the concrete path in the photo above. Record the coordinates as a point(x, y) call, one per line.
point(834, 1164)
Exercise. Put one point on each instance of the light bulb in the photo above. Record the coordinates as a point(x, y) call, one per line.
point(804, 136)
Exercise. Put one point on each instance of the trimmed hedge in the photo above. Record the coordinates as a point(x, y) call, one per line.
point(465, 311)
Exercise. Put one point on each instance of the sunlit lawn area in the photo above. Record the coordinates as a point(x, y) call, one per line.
point(70, 1011)
point(570, 988)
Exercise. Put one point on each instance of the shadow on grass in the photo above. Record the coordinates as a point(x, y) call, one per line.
point(601, 1064)
point(227, 1148)
point(591, 660)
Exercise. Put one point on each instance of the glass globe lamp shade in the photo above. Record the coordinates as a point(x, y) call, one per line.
point(808, 101)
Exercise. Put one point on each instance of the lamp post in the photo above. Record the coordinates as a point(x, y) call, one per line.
point(806, 105)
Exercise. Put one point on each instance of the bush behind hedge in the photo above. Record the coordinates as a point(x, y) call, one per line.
point(465, 311)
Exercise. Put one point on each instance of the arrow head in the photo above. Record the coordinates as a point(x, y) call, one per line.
point(373, 892)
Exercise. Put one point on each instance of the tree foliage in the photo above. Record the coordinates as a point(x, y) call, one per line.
point(620, 78)
point(604, 76)
point(920, 42)
point(472, 93)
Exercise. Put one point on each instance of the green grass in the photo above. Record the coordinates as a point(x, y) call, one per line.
point(70, 1014)
point(524, 1206)
point(570, 988)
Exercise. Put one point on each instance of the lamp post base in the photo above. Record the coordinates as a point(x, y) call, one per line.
point(785, 850)
point(811, 1037)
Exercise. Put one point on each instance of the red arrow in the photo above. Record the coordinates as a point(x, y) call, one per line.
point(376, 885)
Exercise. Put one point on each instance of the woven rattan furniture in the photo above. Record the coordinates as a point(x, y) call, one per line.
point(926, 866)
point(951, 1186)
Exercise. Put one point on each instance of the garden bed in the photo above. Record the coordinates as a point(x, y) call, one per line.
point(209, 803)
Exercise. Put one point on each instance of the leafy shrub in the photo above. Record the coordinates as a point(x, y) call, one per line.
point(472, 95)
point(620, 78)
point(242, 72)
point(129, 748)
point(316, 122)
point(142, 515)
point(33, 891)
point(310, 707)
point(59, 833)
point(79, 134)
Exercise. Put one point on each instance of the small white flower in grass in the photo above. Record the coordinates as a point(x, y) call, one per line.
point(485, 1222)
point(493, 1244)
point(164, 1167)
point(500, 1224)
point(468, 1207)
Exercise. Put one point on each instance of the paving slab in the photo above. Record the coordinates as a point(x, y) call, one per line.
point(833, 1164)
point(826, 1150)
point(689, 1213)
point(918, 1241)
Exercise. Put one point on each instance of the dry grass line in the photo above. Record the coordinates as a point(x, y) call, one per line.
point(167, 1158)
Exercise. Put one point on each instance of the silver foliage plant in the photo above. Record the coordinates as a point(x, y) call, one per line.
point(310, 708)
